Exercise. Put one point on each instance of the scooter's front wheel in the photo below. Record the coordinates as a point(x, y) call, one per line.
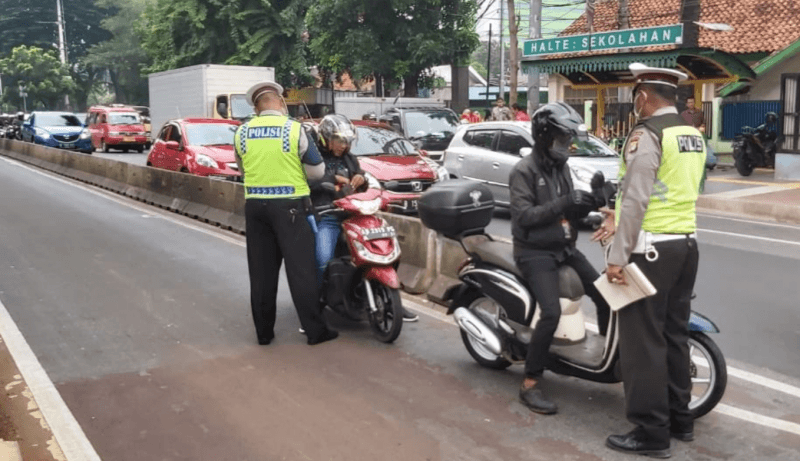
point(709, 374)
point(485, 309)
point(386, 320)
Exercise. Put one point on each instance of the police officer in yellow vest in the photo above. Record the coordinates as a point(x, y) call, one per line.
point(276, 159)
point(663, 161)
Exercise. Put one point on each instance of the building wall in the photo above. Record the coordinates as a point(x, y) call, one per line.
point(768, 85)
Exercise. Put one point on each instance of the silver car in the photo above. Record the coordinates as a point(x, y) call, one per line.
point(487, 152)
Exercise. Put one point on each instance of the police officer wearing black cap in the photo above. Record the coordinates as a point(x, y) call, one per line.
point(663, 162)
point(277, 159)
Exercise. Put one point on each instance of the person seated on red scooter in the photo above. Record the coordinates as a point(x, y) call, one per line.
point(544, 205)
point(336, 135)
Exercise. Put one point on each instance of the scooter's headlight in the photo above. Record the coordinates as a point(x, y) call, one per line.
point(367, 207)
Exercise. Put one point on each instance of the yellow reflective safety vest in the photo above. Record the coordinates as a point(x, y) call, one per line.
point(268, 146)
point(683, 154)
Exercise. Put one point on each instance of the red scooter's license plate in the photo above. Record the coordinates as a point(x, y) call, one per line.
point(379, 233)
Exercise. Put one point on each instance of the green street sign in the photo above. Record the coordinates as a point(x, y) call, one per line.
point(627, 38)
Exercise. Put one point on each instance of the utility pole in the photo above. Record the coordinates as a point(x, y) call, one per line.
point(62, 41)
point(489, 65)
point(535, 26)
point(502, 93)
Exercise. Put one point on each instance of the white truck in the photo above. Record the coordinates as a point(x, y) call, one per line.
point(205, 90)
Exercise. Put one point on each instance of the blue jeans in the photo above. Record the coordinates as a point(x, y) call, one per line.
point(327, 232)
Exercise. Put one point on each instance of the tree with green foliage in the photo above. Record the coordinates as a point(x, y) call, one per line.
point(179, 33)
point(394, 40)
point(122, 55)
point(45, 79)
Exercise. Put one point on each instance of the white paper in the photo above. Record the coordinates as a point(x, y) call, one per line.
point(618, 296)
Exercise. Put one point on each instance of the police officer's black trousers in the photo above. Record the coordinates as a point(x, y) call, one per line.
point(277, 230)
point(540, 269)
point(653, 343)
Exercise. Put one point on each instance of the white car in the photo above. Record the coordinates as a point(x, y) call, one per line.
point(487, 152)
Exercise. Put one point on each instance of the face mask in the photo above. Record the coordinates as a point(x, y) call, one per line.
point(559, 151)
point(637, 110)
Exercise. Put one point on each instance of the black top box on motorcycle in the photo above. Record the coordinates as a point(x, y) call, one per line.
point(458, 207)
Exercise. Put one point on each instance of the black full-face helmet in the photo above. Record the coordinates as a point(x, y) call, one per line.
point(555, 127)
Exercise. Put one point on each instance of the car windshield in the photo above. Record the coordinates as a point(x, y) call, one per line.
point(438, 123)
point(240, 109)
point(127, 118)
point(210, 134)
point(591, 147)
point(57, 120)
point(375, 141)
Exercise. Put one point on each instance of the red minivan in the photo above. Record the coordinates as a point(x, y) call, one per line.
point(116, 127)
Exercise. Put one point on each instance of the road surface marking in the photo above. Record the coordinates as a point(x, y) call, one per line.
point(748, 221)
point(68, 433)
point(754, 237)
point(788, 185)
point(741, 374)
point(756, 418)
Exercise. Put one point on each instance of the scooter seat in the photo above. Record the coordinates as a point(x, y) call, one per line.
point(501, 254)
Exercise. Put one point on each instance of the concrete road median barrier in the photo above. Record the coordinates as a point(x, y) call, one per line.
point(418, 246)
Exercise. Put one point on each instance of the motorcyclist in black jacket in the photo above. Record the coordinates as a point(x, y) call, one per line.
point(544, 206)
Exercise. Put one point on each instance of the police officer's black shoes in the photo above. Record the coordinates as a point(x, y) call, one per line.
point(265, 341)
point(327, 335)
point(535, 400)
point(636, 442)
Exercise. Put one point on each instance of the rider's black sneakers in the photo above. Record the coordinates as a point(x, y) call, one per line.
point(536, 401)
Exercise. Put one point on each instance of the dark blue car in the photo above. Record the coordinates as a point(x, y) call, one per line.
point(57, 129)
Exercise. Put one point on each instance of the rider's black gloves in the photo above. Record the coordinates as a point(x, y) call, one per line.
point(577, 203)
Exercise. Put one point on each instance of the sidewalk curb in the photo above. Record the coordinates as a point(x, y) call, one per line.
point(68, 434)
point(752, 209)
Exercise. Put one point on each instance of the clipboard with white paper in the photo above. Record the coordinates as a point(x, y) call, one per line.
point(618, 296)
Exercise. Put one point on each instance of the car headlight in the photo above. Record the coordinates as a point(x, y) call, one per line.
point(372, 181)
point(206, 161)
point(42, 133)
point(367, 207)
point(582, 176)
point(442, 173)
point(85, 134)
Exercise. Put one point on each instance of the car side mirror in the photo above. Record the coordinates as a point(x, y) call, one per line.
point(525, 151)
point(174, 145)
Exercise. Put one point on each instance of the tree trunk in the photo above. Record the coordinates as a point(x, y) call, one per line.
point(411, 85)
point(513, 60)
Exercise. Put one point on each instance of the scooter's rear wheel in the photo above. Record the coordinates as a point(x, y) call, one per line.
point(709, 374)
point(485, 309)
point(387, 320)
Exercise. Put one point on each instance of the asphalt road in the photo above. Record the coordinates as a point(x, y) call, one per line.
point(141, 319)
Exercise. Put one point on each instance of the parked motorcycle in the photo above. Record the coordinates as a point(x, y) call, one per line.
point(361, 280)
point(496, 311)
point(755, 147)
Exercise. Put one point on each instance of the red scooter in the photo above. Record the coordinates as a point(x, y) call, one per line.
point(361, 280)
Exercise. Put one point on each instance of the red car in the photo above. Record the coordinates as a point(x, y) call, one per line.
point(116, 127)
point(200, 146)
point(387, 156)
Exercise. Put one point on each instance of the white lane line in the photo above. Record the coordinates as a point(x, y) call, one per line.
point(720, 407)
point(754, 237)
point(149, 210)
point(756, 418)
point(68, 433)
point(741, 374)
point(748, 221)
